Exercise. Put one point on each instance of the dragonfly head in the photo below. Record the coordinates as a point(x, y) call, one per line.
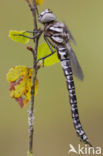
point(46, 16)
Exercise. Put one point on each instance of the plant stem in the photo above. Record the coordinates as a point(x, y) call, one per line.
point(34, 76)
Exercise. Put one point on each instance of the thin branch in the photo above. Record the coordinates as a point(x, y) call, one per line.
point(33, 9)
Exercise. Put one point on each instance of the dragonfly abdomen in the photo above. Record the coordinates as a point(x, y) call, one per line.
point(66, 65)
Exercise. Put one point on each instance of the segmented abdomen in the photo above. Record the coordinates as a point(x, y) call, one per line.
point(66, 65)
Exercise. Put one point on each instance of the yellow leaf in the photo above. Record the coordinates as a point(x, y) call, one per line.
point(17, 36)
point(19, 89)
point(15, 72)
point(20, 79)
point(51, 60)
point(39, 2)
point(44, 50)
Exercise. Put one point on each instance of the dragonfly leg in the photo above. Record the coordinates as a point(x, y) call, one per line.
point(29, 36)
point(43, 58)
point(52, 52)
point(48, 43)
point(34, 31)
point(37, 33)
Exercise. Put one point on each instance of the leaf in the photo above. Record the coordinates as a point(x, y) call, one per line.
point(15, 36)
point(39, 2)
point(44, 50)
point(20, 79)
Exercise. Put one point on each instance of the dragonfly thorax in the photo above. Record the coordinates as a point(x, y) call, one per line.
point(46, 16)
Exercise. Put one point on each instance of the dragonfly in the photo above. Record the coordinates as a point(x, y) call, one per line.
point(58, 36)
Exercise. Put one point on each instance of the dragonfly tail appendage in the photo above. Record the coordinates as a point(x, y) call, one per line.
point(66, 65)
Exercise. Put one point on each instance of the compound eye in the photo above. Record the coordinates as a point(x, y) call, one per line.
point(40, 17)
point(46, 16)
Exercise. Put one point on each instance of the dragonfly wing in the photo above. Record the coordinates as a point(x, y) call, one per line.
point(70, 35)
point(77, 71)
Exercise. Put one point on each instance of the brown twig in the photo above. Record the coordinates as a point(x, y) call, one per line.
point(33, 9)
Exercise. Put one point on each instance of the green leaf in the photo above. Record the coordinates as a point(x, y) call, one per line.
point(44, 50)
point(15, 36)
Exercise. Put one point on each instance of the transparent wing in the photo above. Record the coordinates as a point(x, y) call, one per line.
point(70, 35)
point(77, 71)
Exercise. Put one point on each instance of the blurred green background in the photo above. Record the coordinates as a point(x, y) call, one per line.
point(54, 130)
